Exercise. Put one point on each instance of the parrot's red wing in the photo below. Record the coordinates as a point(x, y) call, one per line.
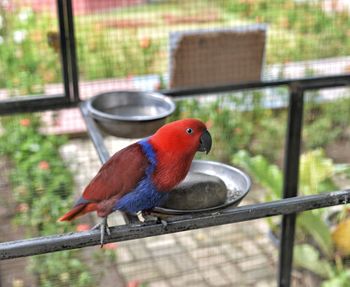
point(119, 175)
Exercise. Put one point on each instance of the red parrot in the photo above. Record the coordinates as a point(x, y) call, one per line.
point(139, 177)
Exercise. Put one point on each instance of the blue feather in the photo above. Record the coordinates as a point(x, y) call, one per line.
point(145, 196)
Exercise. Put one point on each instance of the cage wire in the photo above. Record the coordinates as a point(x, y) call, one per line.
point(47, 159)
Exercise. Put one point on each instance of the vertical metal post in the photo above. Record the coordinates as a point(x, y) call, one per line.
point(68, 50)
point(72, 52)
point(63, 48)
point(291, 178)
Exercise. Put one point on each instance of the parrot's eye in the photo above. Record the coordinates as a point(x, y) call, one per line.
point(189, 131)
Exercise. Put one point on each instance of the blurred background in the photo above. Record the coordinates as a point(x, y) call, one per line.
point(46, 158)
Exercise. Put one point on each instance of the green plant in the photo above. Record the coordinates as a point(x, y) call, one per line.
point(237, 121)
point(22, 50)
point(42, 187)
point(315, 248)
point(110, 53)
point(303, 28)
point(326, 123)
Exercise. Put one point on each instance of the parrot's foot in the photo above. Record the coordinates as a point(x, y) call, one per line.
point(144, 216)
point(104, 228)
point(140, 216)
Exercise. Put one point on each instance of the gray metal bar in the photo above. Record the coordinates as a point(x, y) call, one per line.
point(62, 25)
point(307, 83)
point(41, 245)
point(71, 49)
point(95, 137)
point(29, 104)
point(55, 102)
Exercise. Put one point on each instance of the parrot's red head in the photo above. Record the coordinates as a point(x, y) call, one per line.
point(187, 135)
point(175, 145)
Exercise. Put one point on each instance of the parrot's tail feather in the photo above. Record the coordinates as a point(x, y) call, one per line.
point(78, 211)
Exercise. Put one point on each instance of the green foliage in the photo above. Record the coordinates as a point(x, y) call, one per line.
point(316, 173)
point(237, 121)
point(325, 123)
point(308, 257)
point(266, 174)
point(29, 60)
point(303, 28)
point(42, 187)
point(316, 227)
point(61, 269)
point(115, 54)
point(338, 279)
point(22, 50)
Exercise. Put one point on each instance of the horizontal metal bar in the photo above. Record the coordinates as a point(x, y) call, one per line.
point(41, 245)
point(304, 83)
point(33, 104)
point(30, 104)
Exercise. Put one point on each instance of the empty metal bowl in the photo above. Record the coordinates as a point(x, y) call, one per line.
point(130, 114)
point(237, 183)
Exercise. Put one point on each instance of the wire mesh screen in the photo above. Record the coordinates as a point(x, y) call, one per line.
point(29, 49)
point(198, 43)
point(47, 160)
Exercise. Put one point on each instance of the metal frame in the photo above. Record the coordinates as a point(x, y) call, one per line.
point(288, 207)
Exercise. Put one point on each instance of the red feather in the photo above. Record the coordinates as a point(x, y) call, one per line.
point(118, 176)
point(78, 211)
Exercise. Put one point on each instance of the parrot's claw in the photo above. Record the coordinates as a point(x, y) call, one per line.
point(163, 222)
point(104, 228)
point(140, 216)
point(108, 230)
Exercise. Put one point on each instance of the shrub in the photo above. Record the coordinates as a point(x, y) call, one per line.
point(42, 187)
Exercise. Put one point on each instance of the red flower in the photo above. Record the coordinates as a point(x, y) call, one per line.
point(82, 227)
point(24, 122)
point(110, 246)
point(145, 43)
point(22, 207)
point(134, 283)
point(43, 165)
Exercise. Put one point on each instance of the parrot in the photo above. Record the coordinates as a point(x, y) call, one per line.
point(139, 177)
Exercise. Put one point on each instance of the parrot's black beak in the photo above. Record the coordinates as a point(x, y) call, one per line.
point(205, 142)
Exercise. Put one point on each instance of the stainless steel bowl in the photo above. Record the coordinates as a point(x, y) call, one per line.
point(237, 182)
point(130, 114)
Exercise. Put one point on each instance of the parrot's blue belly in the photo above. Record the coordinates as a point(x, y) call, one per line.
point(143, 197)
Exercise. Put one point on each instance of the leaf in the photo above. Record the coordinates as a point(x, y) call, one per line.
point(318, 229)
point(307, 256)
point(339, 279)
point(314, 169)
point(266, 174)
